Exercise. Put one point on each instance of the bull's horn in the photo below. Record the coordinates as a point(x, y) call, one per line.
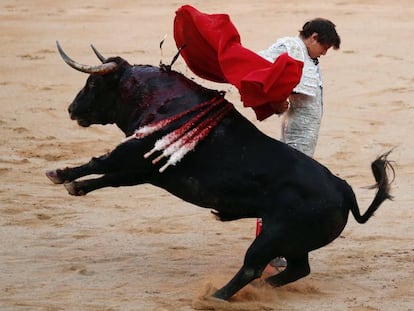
point(99, 55)
point(100, 69)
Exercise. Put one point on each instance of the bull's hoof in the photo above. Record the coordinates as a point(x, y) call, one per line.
point(53, 175)
point(72, 189)
point(221, 295)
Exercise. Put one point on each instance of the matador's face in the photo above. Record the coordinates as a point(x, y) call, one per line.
point(316, 49)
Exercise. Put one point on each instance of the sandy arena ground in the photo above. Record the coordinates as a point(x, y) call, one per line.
point(139, 248)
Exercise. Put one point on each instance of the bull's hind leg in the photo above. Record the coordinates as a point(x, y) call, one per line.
point(296, 269)
point(257, 257)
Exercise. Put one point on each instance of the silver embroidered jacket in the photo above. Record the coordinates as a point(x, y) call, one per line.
point(301, 122)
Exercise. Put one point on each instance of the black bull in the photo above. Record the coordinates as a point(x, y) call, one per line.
point(237, 171)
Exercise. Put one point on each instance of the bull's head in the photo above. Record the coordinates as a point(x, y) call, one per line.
point(95, 103)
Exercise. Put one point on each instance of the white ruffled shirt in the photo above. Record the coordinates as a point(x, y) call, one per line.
point(301, 122)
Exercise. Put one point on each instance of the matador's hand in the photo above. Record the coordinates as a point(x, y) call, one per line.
point(281, 107)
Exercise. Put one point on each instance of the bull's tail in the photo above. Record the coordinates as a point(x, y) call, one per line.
point(379, 169)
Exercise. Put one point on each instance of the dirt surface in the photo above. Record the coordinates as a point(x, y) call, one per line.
point(139, 248)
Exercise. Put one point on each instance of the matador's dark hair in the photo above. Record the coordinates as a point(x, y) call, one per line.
point(325, 29)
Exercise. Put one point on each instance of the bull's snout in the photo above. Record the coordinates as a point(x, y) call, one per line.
point(70, 111)
point(75, 114)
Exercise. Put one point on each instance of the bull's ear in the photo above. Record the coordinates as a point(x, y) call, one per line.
point(99, 55)
point(100, 69)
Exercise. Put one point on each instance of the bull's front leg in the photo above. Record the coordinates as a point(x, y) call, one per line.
point(123, 166)
point(82, 187)
point(68, 174)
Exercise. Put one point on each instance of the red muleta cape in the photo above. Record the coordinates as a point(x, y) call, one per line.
point(213, 51)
